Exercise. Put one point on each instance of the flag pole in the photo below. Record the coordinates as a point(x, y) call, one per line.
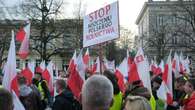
point(101, 57)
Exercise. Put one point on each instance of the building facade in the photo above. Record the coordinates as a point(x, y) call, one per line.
point(162, 27)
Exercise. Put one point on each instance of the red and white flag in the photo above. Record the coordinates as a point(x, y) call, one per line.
point(26, 72)
point(166, 88)
point(41, 67)
point(176, 65)
point(161, 66)
point(23, 36)
point(143, 68)
point(51, 77)
point(77, 76)
point(10, 76)
point(86, 57)
point(187, 65)
point(122, 72)
point(181, 63)
point(31, 66)
point(72, 63)
point(110, 65)
point(96, 66)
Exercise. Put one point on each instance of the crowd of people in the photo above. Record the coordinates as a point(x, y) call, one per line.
point(100, 92)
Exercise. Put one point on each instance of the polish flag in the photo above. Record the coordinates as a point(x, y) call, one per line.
point(31, 66)
point(176, 65)
point(28, 75)
point(77, 76)
point(24, 36)
point(86, 57)
point(72, 63)
point(153, 67)
point(181, 63)
point(109, 65)
point(17, 104)
point(96, 66)
point(122, 72)
point(10, 75)
point(50, 77)
point(141, 67)
point(132, 73)
point(161, 66)
point(187, 65)
point(165, 91)
point(41, 67)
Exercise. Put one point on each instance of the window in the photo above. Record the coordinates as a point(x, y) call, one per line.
point(160, 20)
point(174, 40)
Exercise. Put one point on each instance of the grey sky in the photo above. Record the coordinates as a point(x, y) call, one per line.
point(128, 9)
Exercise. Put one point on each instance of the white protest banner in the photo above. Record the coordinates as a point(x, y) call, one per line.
point(101, 25)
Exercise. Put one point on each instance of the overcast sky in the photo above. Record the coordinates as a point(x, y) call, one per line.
point(128, 9)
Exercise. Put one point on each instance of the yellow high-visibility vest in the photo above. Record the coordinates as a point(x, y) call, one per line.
point(43, 95)
point(152, 102)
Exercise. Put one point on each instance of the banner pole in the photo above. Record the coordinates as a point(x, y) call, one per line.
point(101, 58)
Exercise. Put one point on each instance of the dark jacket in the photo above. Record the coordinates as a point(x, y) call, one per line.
point(64, 101)
point(29, 99)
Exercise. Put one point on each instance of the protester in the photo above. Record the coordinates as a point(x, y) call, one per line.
point(136, 103)
point(65, 99)
point(118, 97)
point(44, 90)
point(178, 93)
point(29, 99)
point(137, 89)
point(97, 93)
point(156, 82)
point(6, 101)
point(189, 103)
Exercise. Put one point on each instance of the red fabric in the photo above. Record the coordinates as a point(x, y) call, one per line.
point(86, 59)
point(181, 68)
point(120, 82)
point(38, 69)
point(46, 75)
point(189, 104)
point(20, 35)
point(133, 74)
point(169, 99)
point(14, 85)
point(24, 49)
point(23, 55)
point(75, 83)
point(28, 75)
point(165, 74)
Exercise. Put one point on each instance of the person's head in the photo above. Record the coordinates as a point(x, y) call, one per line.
point(6, 101)
point(97, 93)
point(38, 76)
point(60, 85)
point(22, 81)
point(156, 82)
point(35, 81)
point(136, 103)
point(113, 79)
point(190, 86)
point(179, 83)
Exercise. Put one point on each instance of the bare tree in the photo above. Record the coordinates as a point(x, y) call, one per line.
point(184, 11)
point(47, 39)
point(126, 38)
